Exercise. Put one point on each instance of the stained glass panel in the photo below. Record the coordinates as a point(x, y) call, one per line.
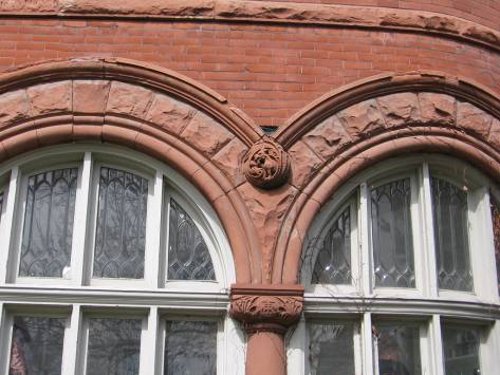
point(36, 346)
point(331, 348)
point(188, 256)
point(398, 349)
point(48, 223)
point(451, 236)
point(121, 225)
point(333, 262)
point(461, 349)
point(190, 348)
point(392, 234)
point(495, 215)
point(114, 347)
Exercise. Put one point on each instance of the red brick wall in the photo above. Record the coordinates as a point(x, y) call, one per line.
point(486, 12)
point(269, 71)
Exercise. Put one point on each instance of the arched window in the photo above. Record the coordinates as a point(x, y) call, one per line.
point(110, 262)
point(400, 276)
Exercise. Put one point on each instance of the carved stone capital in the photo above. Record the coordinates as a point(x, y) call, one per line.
point(267, 309)
point(266, 165)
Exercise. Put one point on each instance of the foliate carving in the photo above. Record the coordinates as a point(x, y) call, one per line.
point(266, 164)
point(275, 313)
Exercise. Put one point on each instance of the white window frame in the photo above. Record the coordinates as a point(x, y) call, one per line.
point(81, 295)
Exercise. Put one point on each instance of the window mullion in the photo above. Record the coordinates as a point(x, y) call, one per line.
point(149, 344)
point(6, 225)
point(431, 289)
point(367, 344)
point(153, 233)
point(81, 221)
point(435, 349)
point(71, 350)
point(366, 261)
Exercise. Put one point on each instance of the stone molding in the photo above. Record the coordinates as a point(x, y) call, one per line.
point(269, 308)
point(266, 165)
point(263, 11)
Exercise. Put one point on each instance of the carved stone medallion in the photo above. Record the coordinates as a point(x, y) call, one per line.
point(266, 165)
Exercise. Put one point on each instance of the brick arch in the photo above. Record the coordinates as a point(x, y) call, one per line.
point(349, 130)
point(158, 112)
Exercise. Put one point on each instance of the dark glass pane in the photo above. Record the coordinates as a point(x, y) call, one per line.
point(331, 348)
point(121, 225)
point(392, 234)
point(190, 348)
point(48, 223)
point(333, 263)
point(450, 234)
point(114, 347)
point(188, 256)
point(495, 215)
point(461, 350)
point(398, 349)
point(36, 346)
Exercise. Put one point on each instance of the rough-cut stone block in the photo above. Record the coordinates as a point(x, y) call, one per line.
point(90, 96)
point(494, 138)
point(13, 107)
point(229, 160)
point(437, 109)
point(170, 114)
point(205, 134)
point(29, 5)
point(399, 109)
point(51, 98)
point(327, 137)
point(362, 119)
point(304, 164)
point(473, 119)
point(128, 99)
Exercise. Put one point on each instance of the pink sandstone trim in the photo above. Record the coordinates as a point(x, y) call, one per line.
point(263, 11)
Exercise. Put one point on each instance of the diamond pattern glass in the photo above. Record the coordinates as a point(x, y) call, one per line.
point(461, 349)
point(392, 234)
point(48, 223)
point(188, 256)
point(495, 215)
point(121, 225)
point(190, 348)
point(451, 237)
point(333, 262)
point(114, 346)
point(36, 346)
point(398, 349)
point(331, 348)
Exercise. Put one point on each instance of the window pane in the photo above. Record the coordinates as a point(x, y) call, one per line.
point(333, 263)
point(461, 350)
point(121, 225)
point(114, 346)
point(495, 215)
point(190, 348)
point(188, 256)
point(450, 233)
point(391, 234)
point(48, 223)
point(398, 349)
point(1, 204)
point(331, 348)
point(36, 346)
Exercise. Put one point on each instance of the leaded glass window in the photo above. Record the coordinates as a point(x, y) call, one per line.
point(392, 234)
point(36, 346)
point(121, 225)
point(333, 262)
point(48, 223)
point(190, 348)
point(495, 215)
point(188, 255)
point(451, 235)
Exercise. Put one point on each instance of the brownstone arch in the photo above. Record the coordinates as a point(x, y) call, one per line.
point(352, 128)
point(158, 112)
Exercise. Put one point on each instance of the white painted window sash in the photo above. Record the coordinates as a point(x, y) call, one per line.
point(7, 224)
